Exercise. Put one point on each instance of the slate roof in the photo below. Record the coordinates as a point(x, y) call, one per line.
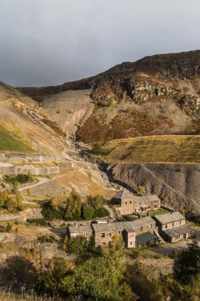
point(176, 232)
point(127, 195)
point(145, 238)
point(80, 229)
point(169, 217)
point(120, 226)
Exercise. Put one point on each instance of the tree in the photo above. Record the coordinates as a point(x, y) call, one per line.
point(88, 212)
point(99, 278)
point(49, 212)
point(72, 207)
point(187, 265)
point(50, 280)
point(18, 273)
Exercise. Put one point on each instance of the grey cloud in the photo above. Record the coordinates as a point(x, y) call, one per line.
point(52, 41)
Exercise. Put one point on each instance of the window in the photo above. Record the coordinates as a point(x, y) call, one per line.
point(103, 235)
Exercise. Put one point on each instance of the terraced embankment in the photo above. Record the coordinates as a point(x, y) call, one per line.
point(152, 149)
point(166, 165)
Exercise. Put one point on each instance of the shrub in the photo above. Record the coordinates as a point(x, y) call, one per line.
point(187, 265)
point(17, 273)
point(50, 280)
point(81, 246)
point(19, 179)
point(88, 212)
point(38, 222)
point(99, 278)
point(50, 212)
point(72, 208)
point(94, 208)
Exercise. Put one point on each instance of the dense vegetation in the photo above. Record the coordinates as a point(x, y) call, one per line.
point(19, 179)
point(104, 275)
point(100, 277)
point(71, 208)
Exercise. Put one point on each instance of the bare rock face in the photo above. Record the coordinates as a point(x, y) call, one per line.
point(178, 185)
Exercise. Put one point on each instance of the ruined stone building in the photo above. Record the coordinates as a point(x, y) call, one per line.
point(104, 234)
point(140, 232)
point(172, 226)
point(80, 230)
point(128, 203)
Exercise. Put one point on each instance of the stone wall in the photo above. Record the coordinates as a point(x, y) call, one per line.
point(10, 169)
point(23, 216)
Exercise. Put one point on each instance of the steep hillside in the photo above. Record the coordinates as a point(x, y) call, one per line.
point(153, 96)
point(24, 126)
point(168, 166)
point(69, 109)
point(151, 149)
point(176, 184)
point(154, 104)
point(156, 95)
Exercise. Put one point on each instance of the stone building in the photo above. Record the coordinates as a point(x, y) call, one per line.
point(172, 226)
point(80, 230)
point(128, 203)
point(104, 234)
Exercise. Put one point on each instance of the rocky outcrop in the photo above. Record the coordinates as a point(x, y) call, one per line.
point(178, 185)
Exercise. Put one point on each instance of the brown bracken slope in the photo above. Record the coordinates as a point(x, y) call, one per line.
point(156, 95)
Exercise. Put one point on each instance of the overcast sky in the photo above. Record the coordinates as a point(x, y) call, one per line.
point(52, 41)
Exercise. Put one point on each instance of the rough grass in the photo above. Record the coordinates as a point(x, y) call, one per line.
point(102, 126)
point(8, 142)
point(8, 296)
point(153, 149)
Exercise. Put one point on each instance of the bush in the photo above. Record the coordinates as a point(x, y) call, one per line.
point(72, 209)
point(19, 179)
point(18, 273)
point(81, 246)
point(50, 280)
point(38, 222)
point(94, 208)
point(187, 265)
point(88, 212)
point(50, 212)
point(99, 278)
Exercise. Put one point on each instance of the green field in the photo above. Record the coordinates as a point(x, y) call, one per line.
point(152, 149)
point(9, 142)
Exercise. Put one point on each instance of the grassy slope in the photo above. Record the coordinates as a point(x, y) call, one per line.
point(153, 149)
point(10, 143)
